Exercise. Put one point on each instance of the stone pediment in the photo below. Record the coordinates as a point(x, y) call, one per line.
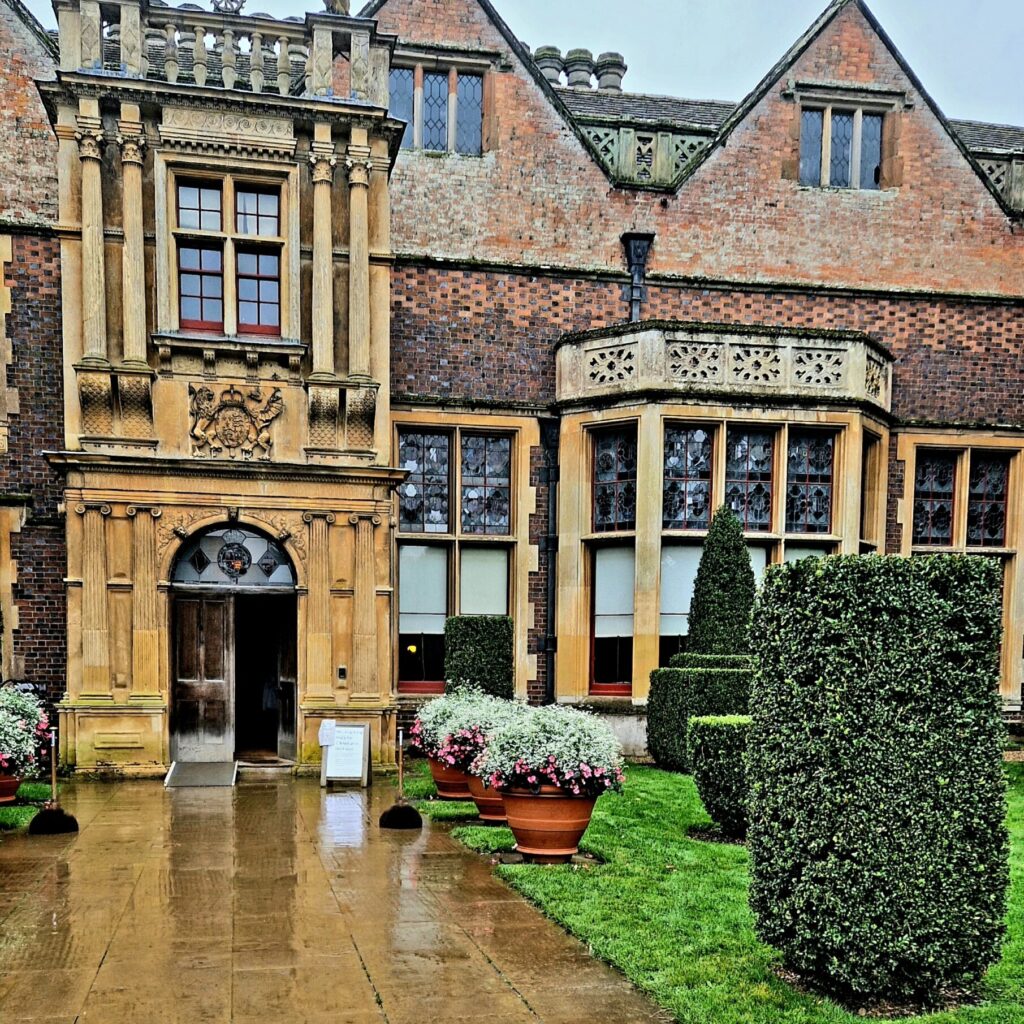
point(712, 359)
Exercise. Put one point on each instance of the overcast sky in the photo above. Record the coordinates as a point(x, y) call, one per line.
point(968, 53)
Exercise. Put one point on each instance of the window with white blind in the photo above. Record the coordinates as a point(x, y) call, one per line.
point(613, 585)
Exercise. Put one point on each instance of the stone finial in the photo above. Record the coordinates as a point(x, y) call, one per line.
point(337, 6)
point(549, 60)
point(610, 69)
point(579, 67)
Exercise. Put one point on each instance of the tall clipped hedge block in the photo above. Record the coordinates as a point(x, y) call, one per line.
point(877, 831)
point(723, 592)
point(479, 651)
point(679, 694)
point(690, 660)
point(717, 746)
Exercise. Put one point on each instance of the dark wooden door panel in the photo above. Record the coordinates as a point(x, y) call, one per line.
point(202, 720)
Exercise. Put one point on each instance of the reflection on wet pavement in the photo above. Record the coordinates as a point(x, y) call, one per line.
point(276, 901)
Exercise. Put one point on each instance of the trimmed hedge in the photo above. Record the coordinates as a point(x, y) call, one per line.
point(479, 651)
point(679, 694)
point(717, 746)
point(723, 592)
point(879, 849)
point(688, 660)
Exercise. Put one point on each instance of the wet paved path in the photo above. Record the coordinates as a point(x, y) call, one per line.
point(281, 903)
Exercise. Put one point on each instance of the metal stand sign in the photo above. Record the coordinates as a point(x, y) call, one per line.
point(344, 753)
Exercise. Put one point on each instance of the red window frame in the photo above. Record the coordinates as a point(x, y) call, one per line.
point(244, 326)
point(215, 326)
point(622, 687)
point(258, 190)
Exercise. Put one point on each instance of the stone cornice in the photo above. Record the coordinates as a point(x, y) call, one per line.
point(100, 463)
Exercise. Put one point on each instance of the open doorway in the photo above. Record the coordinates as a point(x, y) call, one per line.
point(264, 644)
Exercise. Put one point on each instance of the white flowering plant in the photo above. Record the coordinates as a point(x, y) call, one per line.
point(554, 746)
point(455, 728)
point(23, 725)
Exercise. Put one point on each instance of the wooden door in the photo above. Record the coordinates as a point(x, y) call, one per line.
point(202, 712)
point(287, 681)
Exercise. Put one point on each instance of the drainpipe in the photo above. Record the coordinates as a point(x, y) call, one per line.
point(638, 248)
point(549, 475)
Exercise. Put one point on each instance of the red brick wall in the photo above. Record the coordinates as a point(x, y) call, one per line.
point(484, 335)
point(34, 329)
point(28, 180)
point(538, 198)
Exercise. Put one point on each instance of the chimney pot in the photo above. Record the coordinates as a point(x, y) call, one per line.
point(549, 60)
point(579, 67)
point(610, 69)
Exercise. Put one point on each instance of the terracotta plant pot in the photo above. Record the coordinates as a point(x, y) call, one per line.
point(451, 784)
point(8, 788)
point(488, 801)
point(548, 825)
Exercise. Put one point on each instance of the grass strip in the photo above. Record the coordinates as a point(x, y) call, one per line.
point(671, 912)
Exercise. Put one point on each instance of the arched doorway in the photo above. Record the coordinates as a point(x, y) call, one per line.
point(234, 666)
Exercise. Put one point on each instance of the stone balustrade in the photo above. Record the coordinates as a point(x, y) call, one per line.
point(665, 357)
point(256, 53)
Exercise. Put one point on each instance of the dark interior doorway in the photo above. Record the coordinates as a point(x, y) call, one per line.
point(265, 676)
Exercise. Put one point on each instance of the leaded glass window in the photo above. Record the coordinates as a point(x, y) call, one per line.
point(841, 160)
point(871, 151)
point(469, 118)
point(435, 112)
point(687, 482)
point(749, 472)
point(812, 124)
point(809, 482)
point(615, 480)
point(986, 500)
point(232, 556)
point(424, 496)
point(403, 89)
point(486, 483)
point(934, 486)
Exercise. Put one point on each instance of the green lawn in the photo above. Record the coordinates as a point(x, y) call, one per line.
point(30, 796)
point(671, 912)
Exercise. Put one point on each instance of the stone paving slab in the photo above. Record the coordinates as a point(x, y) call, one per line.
point(277, 902)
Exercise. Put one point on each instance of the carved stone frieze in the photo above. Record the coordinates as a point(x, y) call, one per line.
point(194, 127)
point(95, 396)
point(136, 399)
point(360, 412)
point(231, 422)
point(176, 524)
point(686, 357)
point(284, 526)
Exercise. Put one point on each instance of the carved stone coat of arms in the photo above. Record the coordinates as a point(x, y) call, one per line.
point(234, 423)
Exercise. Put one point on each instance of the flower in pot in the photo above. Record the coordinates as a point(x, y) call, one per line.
point(433, 732)
point(551, 766)
point(23, 725)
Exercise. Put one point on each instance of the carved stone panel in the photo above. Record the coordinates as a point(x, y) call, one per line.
point(696, 363)
point(611, 364)
point(819, 368)
point(232, 423)
point(221, 129)
point(756, 364)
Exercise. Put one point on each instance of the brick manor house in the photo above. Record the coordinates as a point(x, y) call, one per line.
point(317, 330)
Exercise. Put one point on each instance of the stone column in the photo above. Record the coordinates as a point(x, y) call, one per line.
point(145, 606)
point(365, 683)
point(647, 581)
point(359, 166)
point(132, 141)
point(319, 638)
point(94, 296)
point(95, 627)
point(380, 292)
point(323, 160)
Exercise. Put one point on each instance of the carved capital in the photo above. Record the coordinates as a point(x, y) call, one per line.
point(357, 517)
point(308, 517)
point(133, 510)
point(323, 161)
point(92, 506)
point(90, 138)
point(358, 171)
point(133, 147)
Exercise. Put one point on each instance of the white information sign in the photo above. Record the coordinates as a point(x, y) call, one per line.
point(346, 757)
